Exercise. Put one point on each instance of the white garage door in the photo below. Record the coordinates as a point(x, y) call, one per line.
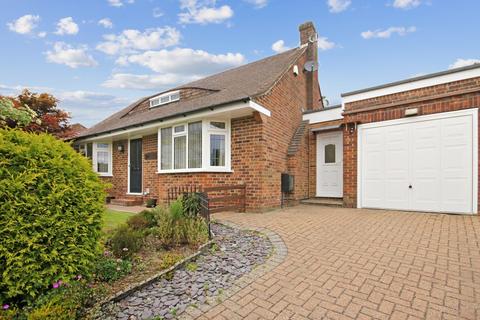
point(426, 163)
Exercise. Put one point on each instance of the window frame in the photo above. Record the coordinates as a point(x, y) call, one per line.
point(95, 151)
point(206, 132)
point(164, 95)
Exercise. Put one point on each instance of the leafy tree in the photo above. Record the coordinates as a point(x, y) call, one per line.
point(52, 119)
point(12, 114)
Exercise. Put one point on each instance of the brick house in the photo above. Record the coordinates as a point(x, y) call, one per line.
point(409, 145)
point(235, 127)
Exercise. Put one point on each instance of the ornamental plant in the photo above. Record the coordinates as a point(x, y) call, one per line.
point(51, 206)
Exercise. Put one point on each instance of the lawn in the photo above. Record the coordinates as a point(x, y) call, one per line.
point(114, 218)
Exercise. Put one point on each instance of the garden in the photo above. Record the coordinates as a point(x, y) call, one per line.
point(64, 256)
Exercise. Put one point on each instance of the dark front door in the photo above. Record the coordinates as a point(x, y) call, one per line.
point(135, 166)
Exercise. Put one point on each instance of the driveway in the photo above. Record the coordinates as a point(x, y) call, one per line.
point(363, 264)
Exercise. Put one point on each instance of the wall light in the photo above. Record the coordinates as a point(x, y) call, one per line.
point(120, 148)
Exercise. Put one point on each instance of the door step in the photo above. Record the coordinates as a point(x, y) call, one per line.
point(327, 202)
point(127, 202)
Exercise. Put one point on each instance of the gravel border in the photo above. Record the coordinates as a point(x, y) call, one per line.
point(278, 255)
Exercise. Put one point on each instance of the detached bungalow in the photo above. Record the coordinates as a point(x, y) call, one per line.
point(410, 145)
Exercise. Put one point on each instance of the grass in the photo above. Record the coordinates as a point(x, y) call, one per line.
point(114, 218)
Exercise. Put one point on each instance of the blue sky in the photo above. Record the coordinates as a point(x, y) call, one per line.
point(97, 56)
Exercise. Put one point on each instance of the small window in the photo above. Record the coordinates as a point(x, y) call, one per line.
point(330, 153)
point(217, 125)
point(164, 99)
point(179, 129)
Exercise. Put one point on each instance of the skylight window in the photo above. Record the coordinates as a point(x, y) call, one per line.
point(164, 98)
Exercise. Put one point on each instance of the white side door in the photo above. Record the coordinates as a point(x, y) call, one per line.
point(330, 164)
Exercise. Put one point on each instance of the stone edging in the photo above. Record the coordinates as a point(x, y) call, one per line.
point(278, 255)
point(137, 286)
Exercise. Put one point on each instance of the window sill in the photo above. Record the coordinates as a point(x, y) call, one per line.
point(200, 170)
point(106, 175)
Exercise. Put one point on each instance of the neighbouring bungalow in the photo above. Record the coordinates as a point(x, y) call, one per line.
point(410, 145)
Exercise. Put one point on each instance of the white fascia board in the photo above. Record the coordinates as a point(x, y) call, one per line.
point(259, 108)
point(198, 115)
point(413, 85)
point(324, 115)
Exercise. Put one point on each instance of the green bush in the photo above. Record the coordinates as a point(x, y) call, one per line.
point(138, 222)
point(125, 242)
point(109, 269)
point(51, 214)
point(174, 228)
point(68, 301)
point(191, 204)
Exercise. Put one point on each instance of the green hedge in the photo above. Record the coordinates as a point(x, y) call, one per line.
point(51, 206)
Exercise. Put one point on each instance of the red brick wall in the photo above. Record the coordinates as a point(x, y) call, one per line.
point(442, 98)
point(286, 101)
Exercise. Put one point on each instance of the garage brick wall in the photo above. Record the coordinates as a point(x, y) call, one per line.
point(452, 96)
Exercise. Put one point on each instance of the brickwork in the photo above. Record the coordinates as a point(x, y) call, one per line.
point(452, 96)
point(407, 266)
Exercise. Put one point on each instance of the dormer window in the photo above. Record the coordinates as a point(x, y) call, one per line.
point(164, 99)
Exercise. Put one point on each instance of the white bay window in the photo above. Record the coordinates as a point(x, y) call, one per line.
point(195, 146)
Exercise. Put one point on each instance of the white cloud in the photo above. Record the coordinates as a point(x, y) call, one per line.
point(387, 33)
point(279, 46)
point(258, 3)
point(338, 5)
point(203, 12)
point(184, 61)
point(147, 81)
point(42, 34)
point(406, 4)
point(25, 24)
point(131, 40)
point(119, 3)
point(106, 23)
point(68, 55)
point(157, 12)
point(463, 63)
point(324, 44)
point(66, 26)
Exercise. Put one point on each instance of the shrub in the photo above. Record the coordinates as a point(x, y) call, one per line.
point(191, 204)
point(109, 269)
point(169, 259)
point(138, 222)
point(176, 229)
point(65, 302)
point(51, 206)
point(149, 215)
point(125, 242)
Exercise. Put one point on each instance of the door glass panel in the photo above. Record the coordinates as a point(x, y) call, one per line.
point(330, 153)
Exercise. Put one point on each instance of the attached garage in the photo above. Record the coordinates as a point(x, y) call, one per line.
point(425, 163)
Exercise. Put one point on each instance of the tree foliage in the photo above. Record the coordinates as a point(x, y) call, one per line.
point(46, 116)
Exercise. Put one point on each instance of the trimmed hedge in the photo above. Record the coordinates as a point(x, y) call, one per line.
point(51, 206)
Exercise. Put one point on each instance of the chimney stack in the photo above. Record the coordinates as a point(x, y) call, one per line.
point(309, 38)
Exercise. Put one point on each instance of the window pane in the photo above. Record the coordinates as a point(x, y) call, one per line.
point(217, 125)
point(175, 96)
point(330, 153)
point(164, 99)
point(89, 150)
point(195, 145)
point(102, 145)
point(102, 161)
point(166, 149)
point(180, 152)
point(217, 150)
point(179, 129)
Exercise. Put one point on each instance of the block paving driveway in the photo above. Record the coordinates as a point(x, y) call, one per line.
point(363, 264)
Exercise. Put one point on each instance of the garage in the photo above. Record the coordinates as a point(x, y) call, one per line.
point(423, 163)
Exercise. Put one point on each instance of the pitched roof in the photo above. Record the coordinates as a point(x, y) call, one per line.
point(233, 85)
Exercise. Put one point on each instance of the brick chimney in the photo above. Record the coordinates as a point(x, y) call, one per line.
point(308, 37)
